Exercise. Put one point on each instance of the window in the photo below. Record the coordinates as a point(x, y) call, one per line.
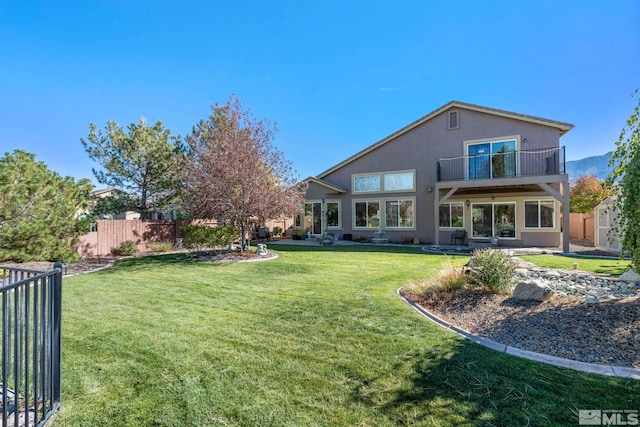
point(367, 213)
point(452, 215)
point(539, 214)
point(399, 213)
point(453, 120)
point(493, 220)
point(400, 181)
point(366, 183)
point(492, 159)
point(333, 214)
point(387, 181)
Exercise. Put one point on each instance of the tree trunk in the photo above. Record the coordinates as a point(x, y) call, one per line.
point(243, 244)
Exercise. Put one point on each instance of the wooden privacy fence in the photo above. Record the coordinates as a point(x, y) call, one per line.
point(582, 226)
point(109, 234)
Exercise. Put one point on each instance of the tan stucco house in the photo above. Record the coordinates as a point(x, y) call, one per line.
point(494, 174)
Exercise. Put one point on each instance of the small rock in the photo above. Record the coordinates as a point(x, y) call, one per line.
point(591, 300)
point(532, 291)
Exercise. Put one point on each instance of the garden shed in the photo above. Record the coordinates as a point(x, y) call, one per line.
point(606, 217)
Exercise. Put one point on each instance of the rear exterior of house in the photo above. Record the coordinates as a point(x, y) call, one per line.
point(492, 173)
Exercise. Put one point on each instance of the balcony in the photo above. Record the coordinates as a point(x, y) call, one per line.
point(504, 164)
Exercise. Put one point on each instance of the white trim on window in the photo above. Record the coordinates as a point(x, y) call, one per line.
point(538, 204)
point(399, 201)
point(380, 220)
point(402, 181)
point(372, 221)
point(339, 213)
point(476, 164)
point(450, 216)
point(505, 226)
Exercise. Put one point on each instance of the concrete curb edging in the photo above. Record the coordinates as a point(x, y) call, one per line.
point(616, 371)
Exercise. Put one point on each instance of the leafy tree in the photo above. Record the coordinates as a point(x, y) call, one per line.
point(144, 160)
point(39, 210)
point(587, 193)
point(235, 173)
point(626, 174)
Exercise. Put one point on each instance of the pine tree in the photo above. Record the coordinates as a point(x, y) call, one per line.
point(39, 210)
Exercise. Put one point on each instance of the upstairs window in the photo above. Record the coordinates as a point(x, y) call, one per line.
point(395, 181)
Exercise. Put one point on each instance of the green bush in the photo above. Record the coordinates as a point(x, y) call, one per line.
point(126, 248)
point(160, 246)
point(492, 270)
point(199, 237)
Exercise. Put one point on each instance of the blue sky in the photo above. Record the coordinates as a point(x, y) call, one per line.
point(336, 76)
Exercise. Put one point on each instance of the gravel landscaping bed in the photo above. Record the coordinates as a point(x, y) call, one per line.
point(605, 333)
point(83, 266)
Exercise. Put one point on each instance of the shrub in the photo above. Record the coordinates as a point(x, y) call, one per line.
point(199, 237)
point(492, 270)
point(165, 246)
point(126, 248)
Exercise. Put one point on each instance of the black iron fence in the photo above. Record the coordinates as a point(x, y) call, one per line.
point(504, 164)
point(31, 345)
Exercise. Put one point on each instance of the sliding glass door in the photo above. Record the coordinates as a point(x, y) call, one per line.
point(495, 159)
point(313, 217)
point(493, 220)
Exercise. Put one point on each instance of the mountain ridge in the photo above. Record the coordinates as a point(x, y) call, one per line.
point(597, 166)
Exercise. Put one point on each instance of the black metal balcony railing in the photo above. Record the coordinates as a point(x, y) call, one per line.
point(509, 164)
point(30, 345)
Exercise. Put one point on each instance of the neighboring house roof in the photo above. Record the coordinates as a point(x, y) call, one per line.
point(105, 191)
point(324, 183)
point(561, 126)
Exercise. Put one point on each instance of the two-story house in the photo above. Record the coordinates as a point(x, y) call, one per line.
point(494, 174)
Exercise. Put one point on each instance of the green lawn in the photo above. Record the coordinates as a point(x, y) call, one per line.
point(317, 337)
point(613, 267)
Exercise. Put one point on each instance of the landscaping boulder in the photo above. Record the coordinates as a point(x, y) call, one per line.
point(591, 300)
point(532, 291)
point(630, 276)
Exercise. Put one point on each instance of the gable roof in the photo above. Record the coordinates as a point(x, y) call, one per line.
point(324, 183)
point(561, 126)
